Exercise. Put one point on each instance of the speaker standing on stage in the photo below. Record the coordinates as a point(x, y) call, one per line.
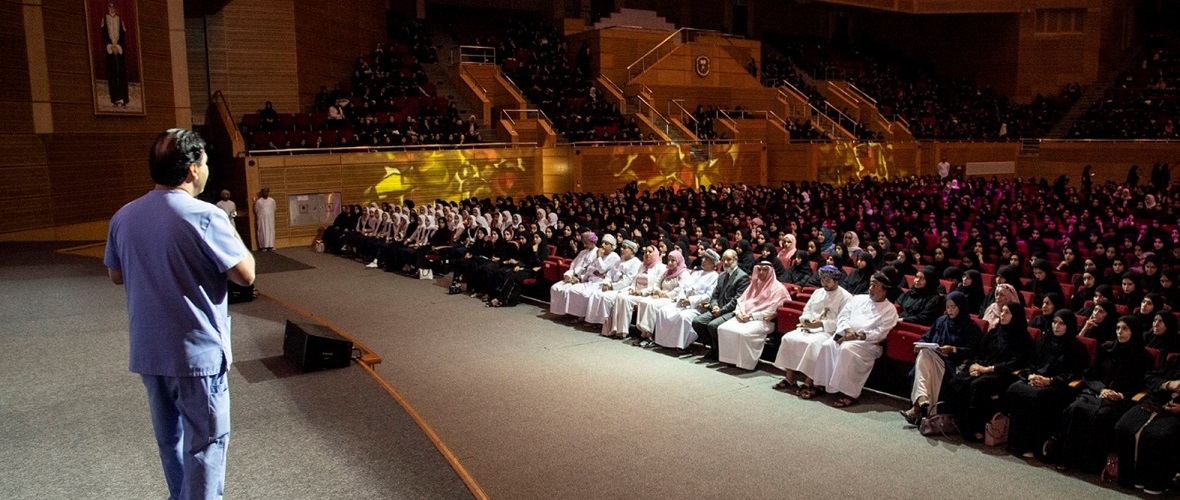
point(173, 254)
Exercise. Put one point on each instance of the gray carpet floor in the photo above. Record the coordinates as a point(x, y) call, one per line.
point(74, 422)
point(536, 408)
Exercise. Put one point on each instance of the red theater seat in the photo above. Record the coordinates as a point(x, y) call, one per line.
point(1035, 333)
point(1091, 346)
point(788, 318)
point(899, 344)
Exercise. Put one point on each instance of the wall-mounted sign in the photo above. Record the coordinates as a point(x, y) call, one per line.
point(703, 66)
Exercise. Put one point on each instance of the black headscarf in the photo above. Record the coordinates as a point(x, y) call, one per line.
point(1040, 288)
point(932, 284)
point(1007, 347)
point(1121, 366)
point(800, 274)
point(1167, 342)
point(1011, 275)
point(974, 291)
point(1104, 332)
point(1133, 346)
point(746, 259)
point(1018, 323)
point(1172, 294)
point(857, 281)
point(1064, 357)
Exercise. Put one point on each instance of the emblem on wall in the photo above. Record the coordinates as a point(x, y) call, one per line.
point(703, 66)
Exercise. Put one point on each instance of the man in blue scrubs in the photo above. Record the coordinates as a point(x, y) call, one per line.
point(173, 253)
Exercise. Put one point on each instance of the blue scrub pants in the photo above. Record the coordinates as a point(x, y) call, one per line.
point(190, 416)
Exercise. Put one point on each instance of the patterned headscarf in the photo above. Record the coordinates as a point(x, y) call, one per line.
point(831, 272)
point(589, 238)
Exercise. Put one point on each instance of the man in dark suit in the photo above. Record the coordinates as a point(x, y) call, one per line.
point(730, 285)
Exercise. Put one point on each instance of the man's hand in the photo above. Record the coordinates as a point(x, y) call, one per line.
point(1110, 395)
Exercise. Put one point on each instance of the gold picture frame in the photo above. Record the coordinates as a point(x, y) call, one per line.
point(116, 63)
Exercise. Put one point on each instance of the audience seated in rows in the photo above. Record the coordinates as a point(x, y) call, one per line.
point(1144, 102)
point(1063, 404)
point(387, 101)
point(934, 107)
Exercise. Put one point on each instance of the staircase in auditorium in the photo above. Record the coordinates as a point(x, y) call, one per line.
point(666, 78)
point(854, 109)
point(440, 74)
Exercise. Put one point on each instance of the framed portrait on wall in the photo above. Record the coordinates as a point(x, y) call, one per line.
point(116, 73)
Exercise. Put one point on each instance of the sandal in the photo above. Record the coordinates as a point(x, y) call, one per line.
point(844, 402)
point(807, 392)
point(912, 418)
point(784, 385)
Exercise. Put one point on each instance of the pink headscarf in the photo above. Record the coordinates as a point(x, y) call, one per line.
point(765, 292)
point(785, 255)
point(652, 259)
point(1010, 291)
point(680, 268)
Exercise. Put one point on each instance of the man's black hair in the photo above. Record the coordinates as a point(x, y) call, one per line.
point(171, 155)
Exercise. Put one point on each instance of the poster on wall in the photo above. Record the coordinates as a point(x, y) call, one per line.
point(116, 74)
point(313, 209)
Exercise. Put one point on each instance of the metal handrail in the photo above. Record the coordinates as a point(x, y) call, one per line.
point(1114, 141)
point(638, 142)
point(653, 49)
point(904, 122)
point(843, 115)
point(463, 69)
point(374, 149)
point(831, 123)
point(844, 93)
point(770, 113)
point(807, 102)
point(668, 143)
point(683, 112)
point(513, 85)
point(864, 95)
point(680, 34)
point(479, 50)
point(654, 111)
point(219, 95)
point(525, 113)
point(728, 118)
point(613, 85)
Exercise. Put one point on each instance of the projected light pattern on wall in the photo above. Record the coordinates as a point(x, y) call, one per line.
point(844, 161)
point(675, 167)
point(453, 175)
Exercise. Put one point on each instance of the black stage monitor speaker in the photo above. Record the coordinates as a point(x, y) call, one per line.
point(313, 347)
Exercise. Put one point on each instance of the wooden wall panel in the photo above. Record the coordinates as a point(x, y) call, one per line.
point(90, 165)
point(790, 162)
point(251, 57)
point(615, 48)
point(1046, 62)
point(1110, 161)
point(728, 65)
point(14, 80)
point(329, 37)
point(16, 117)
point(24, 185)
point(27, 213)
point(23, 181)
